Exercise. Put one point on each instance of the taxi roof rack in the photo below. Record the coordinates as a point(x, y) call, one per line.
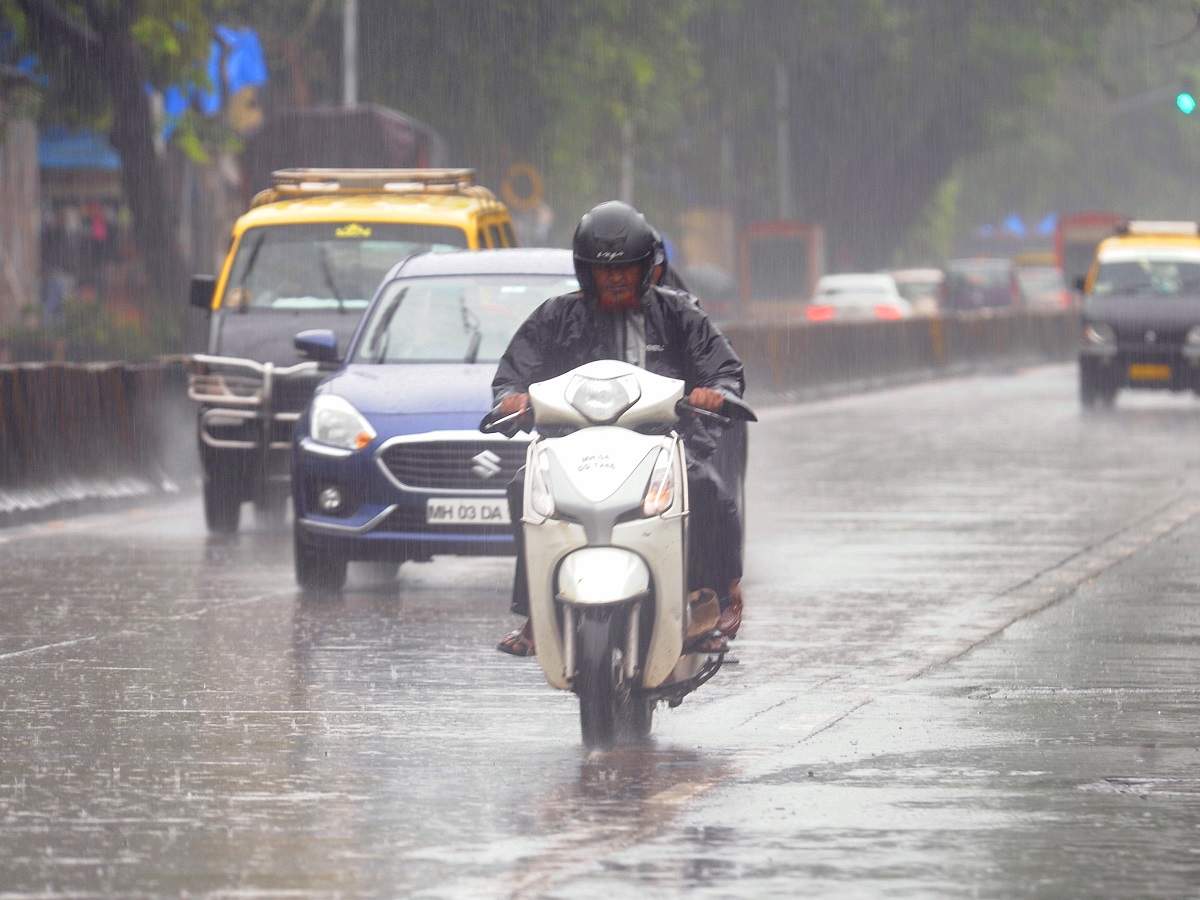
point(293, 183)
point(1158, 227)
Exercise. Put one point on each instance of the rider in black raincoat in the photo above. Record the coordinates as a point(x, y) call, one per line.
point(659, 329)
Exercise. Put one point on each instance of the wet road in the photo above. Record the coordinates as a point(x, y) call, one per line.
point(968, 668)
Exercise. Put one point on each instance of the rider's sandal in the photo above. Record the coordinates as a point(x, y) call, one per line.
point(517, 643)
point(730, 621)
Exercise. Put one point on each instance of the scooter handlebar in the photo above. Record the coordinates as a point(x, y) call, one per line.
point(507, 425)
point(733, 410)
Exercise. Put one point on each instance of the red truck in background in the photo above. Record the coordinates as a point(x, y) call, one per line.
point(779, 263)
point(1075, 240)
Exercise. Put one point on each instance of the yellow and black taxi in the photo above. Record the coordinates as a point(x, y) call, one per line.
point(309, 254)
point(1141, 312)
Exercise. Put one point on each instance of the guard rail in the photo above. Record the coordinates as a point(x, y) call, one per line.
point(80, 432)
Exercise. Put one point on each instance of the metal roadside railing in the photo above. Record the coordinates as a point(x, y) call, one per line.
point(80, 432)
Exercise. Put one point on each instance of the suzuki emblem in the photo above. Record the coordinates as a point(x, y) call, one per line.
point(486, 464)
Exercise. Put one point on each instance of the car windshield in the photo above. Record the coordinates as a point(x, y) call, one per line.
point(334, 265)
point(456, 318)
point(1148, 276)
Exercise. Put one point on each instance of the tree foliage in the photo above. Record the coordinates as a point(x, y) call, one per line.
point(1109, 137)
point(888, 98)
point(100, 56)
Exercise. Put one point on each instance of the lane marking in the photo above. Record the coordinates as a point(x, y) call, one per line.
point(28, 650)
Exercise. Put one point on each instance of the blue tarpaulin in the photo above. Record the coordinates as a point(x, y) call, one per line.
point(60, 148)
point(235, 60)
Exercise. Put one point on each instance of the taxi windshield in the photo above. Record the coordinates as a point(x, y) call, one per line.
point(332, 265)
point(1154, 276)
point(459, 318)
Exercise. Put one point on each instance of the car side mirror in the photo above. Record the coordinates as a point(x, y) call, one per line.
point(1080, 282)
point(201, 293)
point(319, 344)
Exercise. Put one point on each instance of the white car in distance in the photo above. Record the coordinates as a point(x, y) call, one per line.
point(857, 297)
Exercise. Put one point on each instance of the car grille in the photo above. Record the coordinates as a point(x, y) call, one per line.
point(453, 465)
point(1151, 337)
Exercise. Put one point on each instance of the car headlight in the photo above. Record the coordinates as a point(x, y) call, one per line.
point(1098, 334)
point(603, 400)
point(660, 492)
point(1193, 336)
point(540, 497)
point(336, 423)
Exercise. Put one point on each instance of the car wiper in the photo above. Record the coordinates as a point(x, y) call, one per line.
point(383, 331)
point(471, 326)
point(251, 259)
point(323, 261)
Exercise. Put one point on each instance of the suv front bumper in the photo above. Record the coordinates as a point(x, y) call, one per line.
point(248, 411)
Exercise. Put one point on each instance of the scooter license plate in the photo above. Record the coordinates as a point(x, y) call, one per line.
point(459, 511)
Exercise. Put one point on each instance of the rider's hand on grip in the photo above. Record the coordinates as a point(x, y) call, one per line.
point(706, 399)
point(513, 403)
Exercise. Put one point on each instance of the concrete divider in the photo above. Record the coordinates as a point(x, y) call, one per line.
point(74, 433)
point(786, 358)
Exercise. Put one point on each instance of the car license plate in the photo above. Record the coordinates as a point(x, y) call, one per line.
point(460, 511)
point(1146, 372)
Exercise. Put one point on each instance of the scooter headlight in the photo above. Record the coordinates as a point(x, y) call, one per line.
point(660, 492)
point(603, 400)
point(337, 423)
point(540, 498)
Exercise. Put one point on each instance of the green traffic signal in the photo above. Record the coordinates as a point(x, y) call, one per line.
point(1185, 102)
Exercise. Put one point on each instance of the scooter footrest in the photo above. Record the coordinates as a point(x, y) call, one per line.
point(710, 643)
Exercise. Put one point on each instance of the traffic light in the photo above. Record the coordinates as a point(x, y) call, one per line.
point(1185, 98)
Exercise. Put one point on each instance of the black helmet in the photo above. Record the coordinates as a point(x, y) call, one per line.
point(660, 256)
point(613, 234)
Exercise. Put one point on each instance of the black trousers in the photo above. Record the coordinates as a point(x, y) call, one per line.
point(714, 534)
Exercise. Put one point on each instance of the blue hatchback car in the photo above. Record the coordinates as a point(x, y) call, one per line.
point(388, 463)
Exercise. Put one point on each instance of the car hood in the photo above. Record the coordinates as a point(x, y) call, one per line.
point(1144, 312)
point(416, 389)
point(267, 336)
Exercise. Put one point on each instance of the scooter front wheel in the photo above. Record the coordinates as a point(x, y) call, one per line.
point(598, 681)
point(640, 718)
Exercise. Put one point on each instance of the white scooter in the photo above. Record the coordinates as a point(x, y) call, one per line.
point(605, 526)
